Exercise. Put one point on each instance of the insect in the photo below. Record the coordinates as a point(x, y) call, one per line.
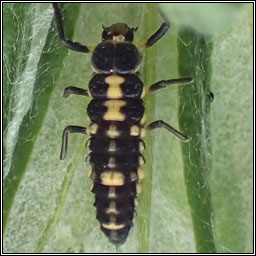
point(117, 122)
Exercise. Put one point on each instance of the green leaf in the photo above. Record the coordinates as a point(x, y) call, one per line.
point(232, 137)
point(17, 46)
point(48, 206)
point(36, 104)
point(194, 112)
point(218, 226)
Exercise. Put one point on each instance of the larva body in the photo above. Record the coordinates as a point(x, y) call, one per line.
point(117, 126)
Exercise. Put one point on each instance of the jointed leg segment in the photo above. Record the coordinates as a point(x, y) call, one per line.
point(160, 123)
point(160, 32)
point(164, 83)
point(67, 130)
point(75, 46)
point(75, 90)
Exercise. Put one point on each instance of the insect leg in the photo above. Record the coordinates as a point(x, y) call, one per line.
point(164, 83)
point(75, 46)
point(74, 90)
point(67, 130)
point(160, 32)
point(162, 124)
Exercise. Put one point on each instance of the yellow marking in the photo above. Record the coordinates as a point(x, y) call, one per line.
point(93, 128)
point(92, 174)
point(113, 226)
point(88, 143)
point(112, 208)
point(143, 120)
point(143, 92)
point(112, 192)
point(136, 202)
point(141, 174)
point(141, 161)
point(88, 158)
point(137, 131)
point(89, 173)
point(112, 146)
point(114, 90)
point(142, 46)
point(133, 176)
point(134, 130)
point(89, 93)
point(142, 132)
point(138, 188)
point(119, 38)
point(112, 162)
point(91, 48)
point(114, 110)
point(112, 178)
point(92, 186)
point(141, 146)
point(112, 131)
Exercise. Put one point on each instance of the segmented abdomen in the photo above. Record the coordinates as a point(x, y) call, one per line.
point(117, 126)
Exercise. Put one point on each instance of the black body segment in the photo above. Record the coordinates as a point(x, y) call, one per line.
point(117, 235)
point(131, 111)
point(113, 130)
point(111, 57)
point(116, 146)
point(120, 192)
point(119, 162)
point(116, 86)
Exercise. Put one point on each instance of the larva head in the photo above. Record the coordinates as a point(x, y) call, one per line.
point(118, 32)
